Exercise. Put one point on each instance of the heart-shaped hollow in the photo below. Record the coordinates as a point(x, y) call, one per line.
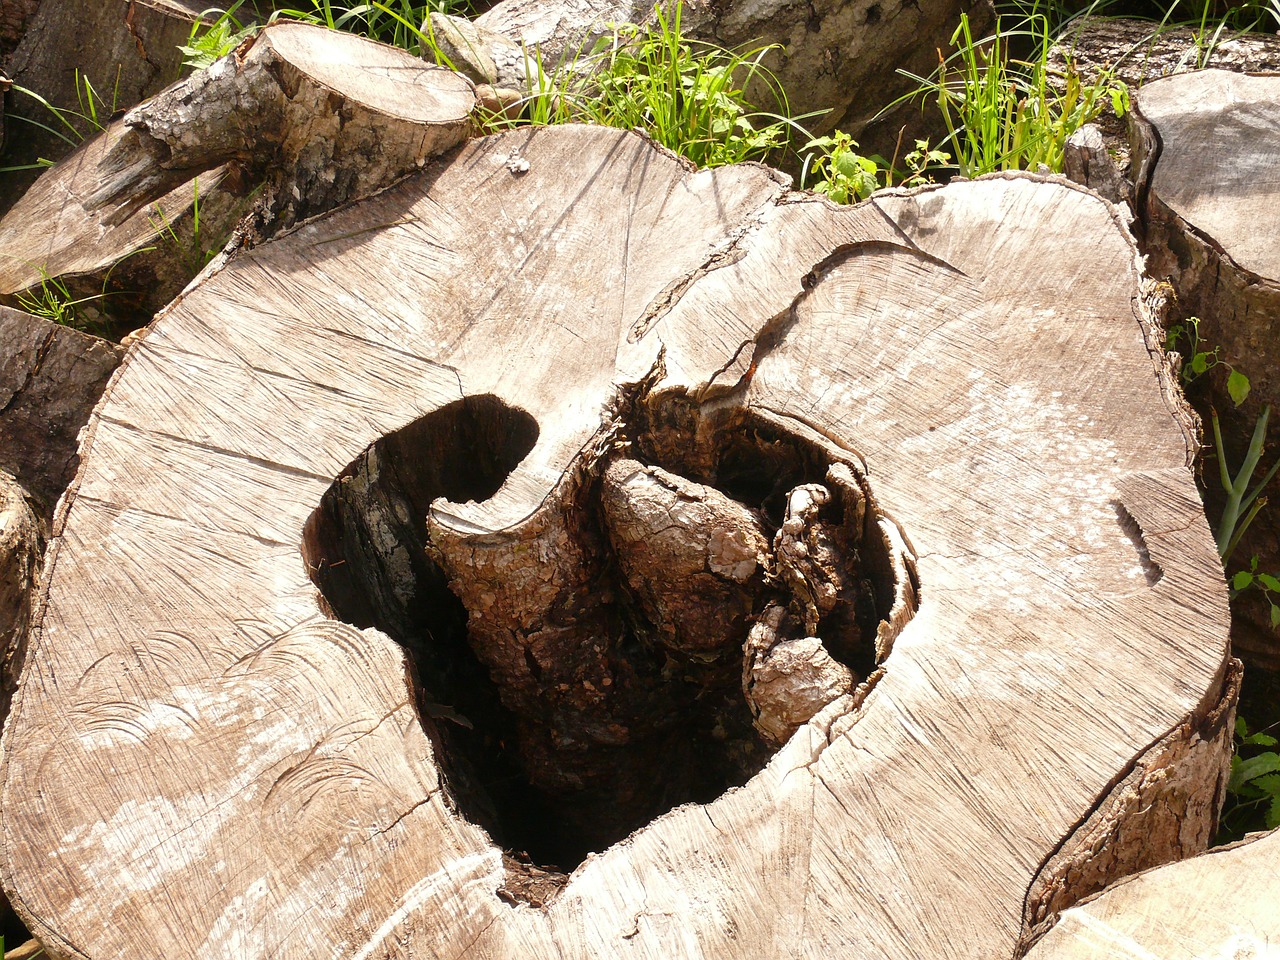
point(700, 585)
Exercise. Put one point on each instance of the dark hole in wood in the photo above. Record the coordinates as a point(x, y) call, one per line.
point(685, 733)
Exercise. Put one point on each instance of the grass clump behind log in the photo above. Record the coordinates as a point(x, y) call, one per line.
point(687, 95)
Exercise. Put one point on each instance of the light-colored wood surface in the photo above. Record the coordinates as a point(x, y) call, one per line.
point(200, 762)
point(1219, 162)
point(1221, 904)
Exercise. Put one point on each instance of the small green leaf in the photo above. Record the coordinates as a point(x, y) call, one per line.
point(1242, 728)
point(1251, 769)
point(1199, 363)
point(1242, 580)
point(1238, 387)
point(1269, 582)
point(1269, 784)
point(1261, 740)
point(1273, 814)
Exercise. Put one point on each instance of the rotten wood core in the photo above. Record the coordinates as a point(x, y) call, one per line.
point(710, 583)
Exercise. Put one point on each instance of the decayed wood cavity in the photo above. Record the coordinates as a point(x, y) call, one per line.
point(699, 586)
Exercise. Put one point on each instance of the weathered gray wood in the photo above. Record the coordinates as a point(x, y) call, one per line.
point(224, 770)
point(50, 379)
point(303, 119)
point(1086, 161)
point(1221, 904)
point(1207, 147)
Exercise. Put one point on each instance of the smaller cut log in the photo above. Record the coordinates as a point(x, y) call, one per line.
point(1206, 152)
point(50, 379)
point(305, 117)
point(1220, 904)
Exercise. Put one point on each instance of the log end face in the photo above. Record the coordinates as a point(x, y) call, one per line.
point(379, 77)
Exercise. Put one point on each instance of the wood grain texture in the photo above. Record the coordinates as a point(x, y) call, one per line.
point(1220, 157)
point(224, 771)
point(1216, 905)
point(126, 49)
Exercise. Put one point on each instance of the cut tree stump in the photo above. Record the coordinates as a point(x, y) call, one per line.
point(1207, 152)
point(517, 412)
point(1221, 904)
point(304, 117)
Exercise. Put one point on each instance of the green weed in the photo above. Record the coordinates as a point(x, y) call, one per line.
point(400, 23)
point(1244, 501)
point(687, 95)
point(1253, 792)
point(1266, 583)
point(1006, 113)
point(843, 175)
point(213, 41)
point(54, 302)
point(69, 126)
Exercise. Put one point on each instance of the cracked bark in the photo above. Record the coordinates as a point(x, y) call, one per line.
point(756, 563)
point(50, 378)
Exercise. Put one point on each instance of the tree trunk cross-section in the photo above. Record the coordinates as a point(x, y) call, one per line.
point(514, 412)
point(1221, 904)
